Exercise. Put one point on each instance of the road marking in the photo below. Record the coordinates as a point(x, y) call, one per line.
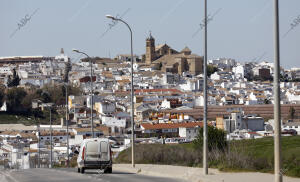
point(8, 176)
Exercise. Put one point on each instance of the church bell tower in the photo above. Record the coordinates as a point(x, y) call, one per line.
point(150, 49)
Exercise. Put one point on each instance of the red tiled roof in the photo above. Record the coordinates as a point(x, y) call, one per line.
point(158, 90)
point(149, 126)
point(164, 91)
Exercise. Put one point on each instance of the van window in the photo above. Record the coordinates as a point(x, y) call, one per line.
point(92, 148)
point(103, 146)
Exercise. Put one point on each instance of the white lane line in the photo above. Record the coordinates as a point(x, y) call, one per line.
point(9, 177)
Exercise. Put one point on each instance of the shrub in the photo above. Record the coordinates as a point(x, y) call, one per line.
point(216, 139)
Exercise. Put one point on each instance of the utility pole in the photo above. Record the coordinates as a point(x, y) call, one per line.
point(50, 139)
point(39, 150)
point(277, 111)
point(205, 168)
point(92, 123)
point(67, 123)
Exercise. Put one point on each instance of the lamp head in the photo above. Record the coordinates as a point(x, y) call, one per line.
point(111, 17)
point(75, 50)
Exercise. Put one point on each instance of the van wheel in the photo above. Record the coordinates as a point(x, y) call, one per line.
point(82, 170)
point(78, 170)
point(108, 170)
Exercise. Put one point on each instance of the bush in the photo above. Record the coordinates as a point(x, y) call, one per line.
point(245, 155)
point(162, 154)
point(216, 139)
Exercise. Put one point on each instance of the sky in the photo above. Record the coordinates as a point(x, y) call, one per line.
point(239, 29)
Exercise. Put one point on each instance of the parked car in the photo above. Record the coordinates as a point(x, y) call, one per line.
point(95, 153)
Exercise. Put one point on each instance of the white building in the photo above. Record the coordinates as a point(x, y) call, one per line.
point(105, 107)
point(7, 70)
point(239, 71)
point(114, 122)
point(192, 85)
point(62, 56)
point(188, 133)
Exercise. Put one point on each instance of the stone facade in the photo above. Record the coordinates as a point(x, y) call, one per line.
point(166, 59)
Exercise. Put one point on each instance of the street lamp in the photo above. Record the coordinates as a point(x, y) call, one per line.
point(132, 91)
point(39, 143)
point(67, 123)
point(205, 167)
point(50, 138)
point(277, 112)
point(91, 82)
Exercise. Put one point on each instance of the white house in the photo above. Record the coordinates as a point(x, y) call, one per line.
point(189, 133)
point(114, 122)
point(192, 85)
point(105, 107)
point(239, 71)
point(87, 132)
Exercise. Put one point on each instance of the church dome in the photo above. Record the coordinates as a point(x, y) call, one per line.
point(186, 51)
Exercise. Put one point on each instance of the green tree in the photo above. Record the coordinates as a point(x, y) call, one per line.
point(2, 96)
point(68, 68)
point(267, 101)
point(216, 139)
point(56, 93)
point(211, 70)
point(15, 81)
point(14, 99)
point(291, 113)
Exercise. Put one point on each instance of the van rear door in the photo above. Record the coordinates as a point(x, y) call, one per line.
point(104, 150)
point(92, 152)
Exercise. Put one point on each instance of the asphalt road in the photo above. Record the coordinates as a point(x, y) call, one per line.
point(59, 175)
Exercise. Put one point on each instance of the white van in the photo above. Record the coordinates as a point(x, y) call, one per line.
point(95, 153)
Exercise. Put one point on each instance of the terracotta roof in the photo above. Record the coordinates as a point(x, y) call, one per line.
point(22, 134)
point(55, 133)
point(123, 81)
point(4, 150)
point(33, 151)
point(86, 129)
point(149, 126)
point(158, 90)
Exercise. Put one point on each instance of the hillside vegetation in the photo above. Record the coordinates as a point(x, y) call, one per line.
point(244, 155)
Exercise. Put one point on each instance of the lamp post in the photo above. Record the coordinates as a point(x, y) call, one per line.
point(67, 123)
point(39, 143)
point(132, 91)
point(91, 84)
point(50, 138)
point(205, 167)
point(277, 112)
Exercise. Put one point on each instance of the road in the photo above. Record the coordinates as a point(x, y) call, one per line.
point(59, 175)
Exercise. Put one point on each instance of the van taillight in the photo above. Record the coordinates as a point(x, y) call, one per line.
point(83, 151)
point(110, 154)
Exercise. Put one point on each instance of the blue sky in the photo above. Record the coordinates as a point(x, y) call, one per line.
point(243, 29)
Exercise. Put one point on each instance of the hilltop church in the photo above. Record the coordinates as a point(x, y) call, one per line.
point(166, 59)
